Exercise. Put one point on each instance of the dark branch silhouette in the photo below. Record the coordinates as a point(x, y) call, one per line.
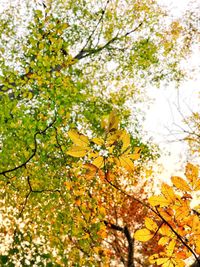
point(34, 150)
point(130, 240)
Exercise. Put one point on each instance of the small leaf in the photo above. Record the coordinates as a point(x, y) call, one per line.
point(168, 192)
point(77, 151)
point(125, 137)
point(181, 184)
point(163, 240)
point(98, 141)
point(170, 247)
point(134, 156)
point(159, 201)
point(150, 224)
point(143, 235)
point(98, 162)
point(191, 173)
point(113, 121)
point(126, 163)
point(78, 139)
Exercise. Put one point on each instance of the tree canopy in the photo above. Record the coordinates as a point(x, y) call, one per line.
point(75, 173)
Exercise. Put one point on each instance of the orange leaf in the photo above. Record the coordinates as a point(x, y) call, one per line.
point(191, 173)
point(168, 192)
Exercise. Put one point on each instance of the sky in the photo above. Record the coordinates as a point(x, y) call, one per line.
point(169, 108)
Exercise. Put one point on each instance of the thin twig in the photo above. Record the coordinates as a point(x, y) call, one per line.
point(34, 150)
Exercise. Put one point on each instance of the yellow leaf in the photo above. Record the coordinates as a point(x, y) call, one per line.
point(113, 137)
point(168, 192)
point(153, 258)
point(78, 139)
point(113, 121)
point(93, 155)
point(163, 240)
point(68, 185)
point(196, 186)
point(150, 224)
point(191, 173)
point(86, 236)
point(159, 201)
point(167, 215)
point(90, 170)
point(180, 183)
point(197, 245)
point(77, 151)
point(98, 162)
point(166, 231)
point(126, 163)
point(182, 209)
point(110, 149)
point(102, 211)
point(134, 156)
point(170, 247)
point(98, 141)
point(125, 140)
point(143, 235)
point(137, 150)
point(162, 261)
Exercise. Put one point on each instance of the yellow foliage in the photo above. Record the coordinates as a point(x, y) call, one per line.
point(150, 224)
point(192, 173)
point(168, 192)
point(180, 183)
point(98, 162)
point(77, 151)
point(143, 235)
point(159, 201)
point(78, 139)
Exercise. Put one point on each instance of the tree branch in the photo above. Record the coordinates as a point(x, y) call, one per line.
point(34, 150)
point(88, 52)
point(99, 21)
point(125, 231)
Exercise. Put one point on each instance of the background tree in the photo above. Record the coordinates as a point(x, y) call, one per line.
point(64, 65)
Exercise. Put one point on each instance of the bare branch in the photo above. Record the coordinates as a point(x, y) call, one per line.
point(89, 52)
point(100, 20)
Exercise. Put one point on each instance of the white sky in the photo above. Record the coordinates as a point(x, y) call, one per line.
point(163, 117)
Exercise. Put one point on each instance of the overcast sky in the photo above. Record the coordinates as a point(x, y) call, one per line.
point(165, 116)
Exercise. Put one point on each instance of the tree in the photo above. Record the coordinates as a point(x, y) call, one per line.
point(64, 65)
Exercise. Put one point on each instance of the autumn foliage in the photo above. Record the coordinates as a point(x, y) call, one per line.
point(172, 222)
point(76, 182)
